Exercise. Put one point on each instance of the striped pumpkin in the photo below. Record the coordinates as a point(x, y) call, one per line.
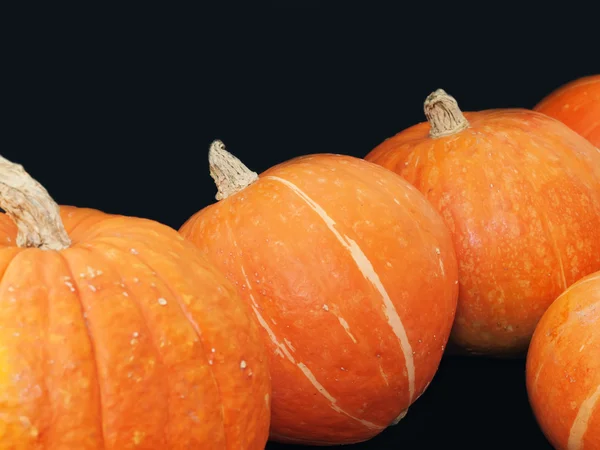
point(563, 368)
point(353, 278)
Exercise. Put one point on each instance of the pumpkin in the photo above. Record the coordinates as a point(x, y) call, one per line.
point(520, 193)
point(576, 104)
point(352, 276)
point(563, 368)
point(115, 333)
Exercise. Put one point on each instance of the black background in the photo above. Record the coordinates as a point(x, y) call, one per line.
point(118, 115)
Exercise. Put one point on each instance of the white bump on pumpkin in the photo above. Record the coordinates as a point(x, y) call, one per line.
point(138, 437)
point(243, 364)
point(325, 308)
point(162, 301)
point(92, 287)
point(33, 431)
point(133, 251)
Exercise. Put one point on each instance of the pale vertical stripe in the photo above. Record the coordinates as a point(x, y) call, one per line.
point(581, 422)
point(282, 348)
point(369, 273)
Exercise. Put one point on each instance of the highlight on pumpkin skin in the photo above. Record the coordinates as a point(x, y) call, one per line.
point(323, 248)
point(115, 332)
point(520, 193)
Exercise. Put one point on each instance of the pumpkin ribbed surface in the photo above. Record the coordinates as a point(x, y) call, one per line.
point(126, 339)
point(352, 277)
point(577, 104)
point(520, 193)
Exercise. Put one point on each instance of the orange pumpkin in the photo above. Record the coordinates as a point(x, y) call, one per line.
point(520, 193)
point(576, 104)
point(353, 278)
point(563, 368)
point(116, 333)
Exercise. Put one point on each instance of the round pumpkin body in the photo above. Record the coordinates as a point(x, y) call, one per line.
point(563, 368)
point(520, 193)
point(353, 278)
point(124, 338)
point(577, 104)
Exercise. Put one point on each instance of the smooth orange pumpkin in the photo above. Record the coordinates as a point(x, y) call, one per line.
point(576, 104)
point(353, 278)
point(115, 333)
point(563, 368)
point(520, 193)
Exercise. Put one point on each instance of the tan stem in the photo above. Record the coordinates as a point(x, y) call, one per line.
point(30, 206)
point(229, 173)
point(443, 114)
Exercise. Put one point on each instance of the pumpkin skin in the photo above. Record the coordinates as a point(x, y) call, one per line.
point(563, 368)
point(353, 277)
point(520, 193)
point(127, 338)
point(577, 104)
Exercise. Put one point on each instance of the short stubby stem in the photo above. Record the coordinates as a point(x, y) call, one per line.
point(34, 212)
point(229, 173)
point(443, 114)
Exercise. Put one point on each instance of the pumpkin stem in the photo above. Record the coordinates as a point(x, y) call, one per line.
point(229, 173)
point(33, 210)
point(443, 114)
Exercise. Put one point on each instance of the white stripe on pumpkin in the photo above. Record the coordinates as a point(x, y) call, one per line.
point(369, 273)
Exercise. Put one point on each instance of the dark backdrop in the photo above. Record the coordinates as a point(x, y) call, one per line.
point(118, 115)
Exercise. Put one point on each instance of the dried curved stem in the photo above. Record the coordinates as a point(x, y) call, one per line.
point(229, 173)
point(33, 210)
point(443, 114)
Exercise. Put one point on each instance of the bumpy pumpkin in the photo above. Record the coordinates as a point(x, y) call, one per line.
point(520, 193)
point(563, 368)
point(576, 104)
point(115, 333)
point(352, 277)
